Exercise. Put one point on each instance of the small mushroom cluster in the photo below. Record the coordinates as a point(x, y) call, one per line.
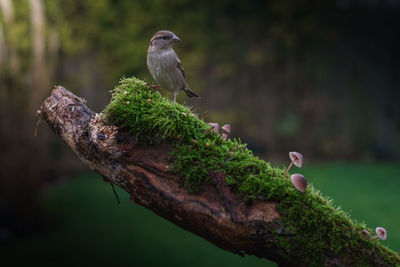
point(381, 233)
point(300, 183)
point(226, 129)
point(298, 180)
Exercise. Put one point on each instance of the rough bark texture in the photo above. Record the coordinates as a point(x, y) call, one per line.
point(214, 213)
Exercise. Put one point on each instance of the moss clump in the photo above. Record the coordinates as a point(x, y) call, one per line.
point(149, 116)
point(318, 226)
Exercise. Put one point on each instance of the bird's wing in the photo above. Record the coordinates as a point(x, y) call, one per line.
point(179, 65)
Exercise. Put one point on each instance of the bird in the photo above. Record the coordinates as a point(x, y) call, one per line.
point(164, 64)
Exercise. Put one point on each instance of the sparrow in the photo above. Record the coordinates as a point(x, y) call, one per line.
point(164, 65)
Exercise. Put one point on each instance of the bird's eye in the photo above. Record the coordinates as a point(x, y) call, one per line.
point(165, 37)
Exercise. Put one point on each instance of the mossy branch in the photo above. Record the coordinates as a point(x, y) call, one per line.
point(164, 157)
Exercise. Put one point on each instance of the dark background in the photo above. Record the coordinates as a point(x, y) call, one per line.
point(318, 77)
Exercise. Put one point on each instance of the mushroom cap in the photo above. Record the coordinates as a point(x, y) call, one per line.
point(224, 135)
point(226, 128)
point(365, 233)
point(381, 232)
point(215, 126)
point(299, 182)
point(297, 158)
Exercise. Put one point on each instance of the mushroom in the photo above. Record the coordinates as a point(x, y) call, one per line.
point(226, 128)
point(214, 127)
point(380, 233)
point(365, 233)
point(297, 159)
point(299, 182)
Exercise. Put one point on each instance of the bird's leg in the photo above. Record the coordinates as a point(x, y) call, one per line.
point(175, 94)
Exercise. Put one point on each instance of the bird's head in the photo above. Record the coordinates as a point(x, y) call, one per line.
point(163, 40)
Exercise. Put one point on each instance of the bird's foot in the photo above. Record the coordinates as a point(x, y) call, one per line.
point(154, 86)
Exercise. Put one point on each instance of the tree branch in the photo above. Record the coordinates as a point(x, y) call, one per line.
point(214, 213)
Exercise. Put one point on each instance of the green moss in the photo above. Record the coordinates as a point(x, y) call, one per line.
point(319, 226)
point(149, 116)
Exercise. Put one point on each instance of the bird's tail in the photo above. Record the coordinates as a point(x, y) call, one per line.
point(190, 93)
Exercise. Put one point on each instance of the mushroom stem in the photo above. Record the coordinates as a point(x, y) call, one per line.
point(288, 168)
point(374, 237)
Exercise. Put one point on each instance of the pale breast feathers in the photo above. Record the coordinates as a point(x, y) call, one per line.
point(166, 70)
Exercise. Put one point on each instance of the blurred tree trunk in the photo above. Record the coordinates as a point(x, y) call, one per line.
point(7, 8)
point(40, 77)
point(3, 94)
point(9, 63)
point(3, 52)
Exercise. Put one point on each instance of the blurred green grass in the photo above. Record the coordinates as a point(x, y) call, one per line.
point(93, 229)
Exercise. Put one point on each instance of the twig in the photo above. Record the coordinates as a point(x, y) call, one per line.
point(115, 192)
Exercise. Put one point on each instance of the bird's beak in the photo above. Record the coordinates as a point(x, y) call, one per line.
point(175, 39)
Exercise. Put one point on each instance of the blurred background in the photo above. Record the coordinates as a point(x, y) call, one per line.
point(318, 77)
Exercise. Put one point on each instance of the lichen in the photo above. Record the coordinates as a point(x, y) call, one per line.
point(313, 225)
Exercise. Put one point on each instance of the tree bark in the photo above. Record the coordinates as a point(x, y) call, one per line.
point(214, 213)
